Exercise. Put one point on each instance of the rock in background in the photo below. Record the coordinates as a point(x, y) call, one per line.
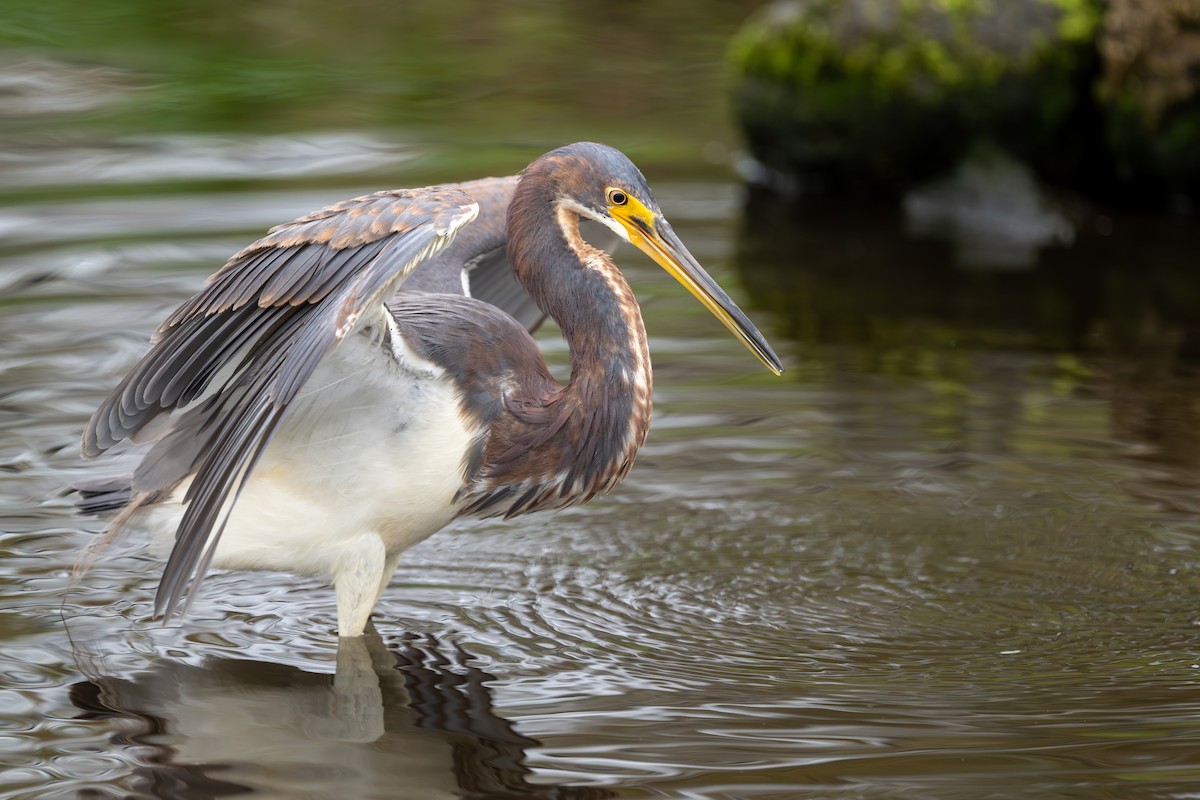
point(1150, 93)
point(882, 95)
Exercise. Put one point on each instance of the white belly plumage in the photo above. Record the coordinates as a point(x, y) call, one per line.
point(365, 464)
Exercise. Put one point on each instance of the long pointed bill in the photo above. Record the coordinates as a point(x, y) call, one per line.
point(659, 241)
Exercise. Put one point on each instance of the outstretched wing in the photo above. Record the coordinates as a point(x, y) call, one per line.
point(230, 360)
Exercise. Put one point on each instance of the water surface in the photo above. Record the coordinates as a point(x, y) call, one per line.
point(951, 554)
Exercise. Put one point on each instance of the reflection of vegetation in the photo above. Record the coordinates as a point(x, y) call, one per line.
point(470, 69)
point(1120, 312)
point(843, 272)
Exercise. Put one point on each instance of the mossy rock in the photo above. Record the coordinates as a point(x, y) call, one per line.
point(1150, 95)
point(884, 93)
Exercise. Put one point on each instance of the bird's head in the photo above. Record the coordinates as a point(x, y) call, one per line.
point(600, 183)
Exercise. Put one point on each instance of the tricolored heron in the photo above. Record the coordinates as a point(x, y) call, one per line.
point(308, 417)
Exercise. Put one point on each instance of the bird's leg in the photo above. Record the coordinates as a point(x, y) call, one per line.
point(389, 569)
point(356, 581)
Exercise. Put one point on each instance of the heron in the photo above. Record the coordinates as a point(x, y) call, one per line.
point(334, 394)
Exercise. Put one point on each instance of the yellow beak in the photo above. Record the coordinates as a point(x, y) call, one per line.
point(656, 239)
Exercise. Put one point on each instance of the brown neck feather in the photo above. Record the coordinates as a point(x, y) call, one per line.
point(566, 446)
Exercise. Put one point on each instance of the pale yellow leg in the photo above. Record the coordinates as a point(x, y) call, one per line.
point(356, 582)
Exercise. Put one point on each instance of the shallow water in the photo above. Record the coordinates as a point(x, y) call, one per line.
point(953, 553)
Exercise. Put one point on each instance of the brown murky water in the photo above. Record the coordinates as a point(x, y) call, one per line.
point(954, 553)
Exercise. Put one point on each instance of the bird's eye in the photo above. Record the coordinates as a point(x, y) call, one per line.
point(617, 198)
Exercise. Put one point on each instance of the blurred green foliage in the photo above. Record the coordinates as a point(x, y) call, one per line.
point(463, 69)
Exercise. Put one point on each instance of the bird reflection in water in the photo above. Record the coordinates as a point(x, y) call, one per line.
point(416, 721)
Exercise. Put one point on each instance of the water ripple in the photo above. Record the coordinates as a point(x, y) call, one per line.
point(839, 584)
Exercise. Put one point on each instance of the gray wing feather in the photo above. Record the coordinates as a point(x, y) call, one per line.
point(480, 253)
point(232, 358)
point(492, 280)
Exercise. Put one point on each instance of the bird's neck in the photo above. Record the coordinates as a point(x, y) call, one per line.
point(584, 292)
point(602, 415)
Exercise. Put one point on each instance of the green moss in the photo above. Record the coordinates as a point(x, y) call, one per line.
point(1080, 20)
